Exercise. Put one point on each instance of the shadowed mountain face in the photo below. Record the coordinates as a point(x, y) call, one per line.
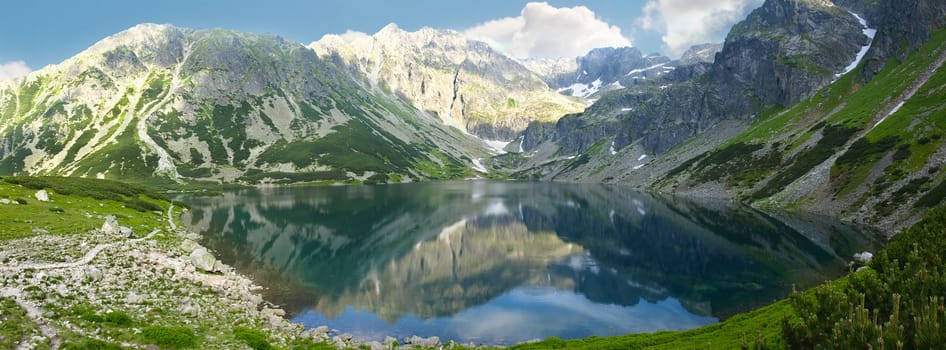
point(431, 254)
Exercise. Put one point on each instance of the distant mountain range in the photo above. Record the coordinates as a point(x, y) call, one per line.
point(812, 104)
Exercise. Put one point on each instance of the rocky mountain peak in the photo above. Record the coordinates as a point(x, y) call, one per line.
point(701, 53)
point(465, 82)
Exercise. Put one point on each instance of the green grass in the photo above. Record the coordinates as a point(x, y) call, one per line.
point(74, 198)
point(764, 324)
point(254, 338)
point(15, 325)
point(170, 337)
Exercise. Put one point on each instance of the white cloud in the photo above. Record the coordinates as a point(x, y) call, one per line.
point(13, 69)
point(684, 23)
point(545, 31)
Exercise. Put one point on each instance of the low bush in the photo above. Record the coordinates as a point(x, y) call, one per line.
point(170, 337)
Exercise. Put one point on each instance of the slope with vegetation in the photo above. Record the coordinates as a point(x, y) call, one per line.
point(66, 282)
point(159, 103)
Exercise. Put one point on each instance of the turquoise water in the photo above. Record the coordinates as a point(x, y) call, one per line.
point(500, 263)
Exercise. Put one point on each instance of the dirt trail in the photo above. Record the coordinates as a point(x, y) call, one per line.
point(34, 312)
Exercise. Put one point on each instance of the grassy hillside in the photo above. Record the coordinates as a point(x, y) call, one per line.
point(856, 150)
point(65, 285)
point(76, 206)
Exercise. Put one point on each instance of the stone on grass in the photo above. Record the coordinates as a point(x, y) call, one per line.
point(40, 231)
point(5, 201)
point(42, 196)
point(110, 227)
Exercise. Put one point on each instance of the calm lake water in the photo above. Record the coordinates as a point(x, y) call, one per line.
point(501, 262)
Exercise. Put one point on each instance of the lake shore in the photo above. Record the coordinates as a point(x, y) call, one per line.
point(114, 285)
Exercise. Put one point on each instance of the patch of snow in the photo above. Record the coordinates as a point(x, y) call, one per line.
point(641, 70)
point(626, 109)
point(613, 152)
point(664, 86)
point(616, 85)
point(892, 111)
point(641, 157)
point(583, 90)
point(572, 157)
point(864, 257)
point(639, 166)
point(496, 145)
point(869, 32)
point(478, 166)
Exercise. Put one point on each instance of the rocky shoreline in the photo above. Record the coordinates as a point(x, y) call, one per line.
point(165, 277)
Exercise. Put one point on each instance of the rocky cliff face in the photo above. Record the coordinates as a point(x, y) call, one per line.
point(601, 70)
point(216, 105)
point(467, 83)
point(699, 54)
point(782, 53)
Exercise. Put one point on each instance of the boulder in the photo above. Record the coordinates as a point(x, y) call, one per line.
point(188, 245)
point(5, 201)
point(125, 231)
point(423, 342)
point(321, 330)
point(42, 196)
point(389, 341)
point(203, 260)
point(110, 227)
point(375, 345)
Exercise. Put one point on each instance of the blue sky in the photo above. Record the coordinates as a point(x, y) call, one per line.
point(43, 32)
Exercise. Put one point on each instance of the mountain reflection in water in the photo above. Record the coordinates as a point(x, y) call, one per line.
point(499, 263)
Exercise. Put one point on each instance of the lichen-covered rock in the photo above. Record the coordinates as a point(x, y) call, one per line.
point(203, 260)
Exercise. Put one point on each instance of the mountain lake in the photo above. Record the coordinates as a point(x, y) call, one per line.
point(499, 263)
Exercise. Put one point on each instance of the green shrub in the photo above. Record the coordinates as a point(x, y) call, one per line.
point(896, 303)
point(141, 205)
point(170, 337)
point(118, 318)
point(253, 338)
point(90, 344)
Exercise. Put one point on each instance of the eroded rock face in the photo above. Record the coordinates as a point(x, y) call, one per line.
point(221, 105)
point(780, 54)
point(466, 83)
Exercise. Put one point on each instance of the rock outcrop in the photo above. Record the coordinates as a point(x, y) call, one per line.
point(466, 83)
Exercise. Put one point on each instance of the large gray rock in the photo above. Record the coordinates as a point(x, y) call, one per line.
point(42, 196)
point(111, 227)
point(423, 342)
point(203, 260)
point(125, 231)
